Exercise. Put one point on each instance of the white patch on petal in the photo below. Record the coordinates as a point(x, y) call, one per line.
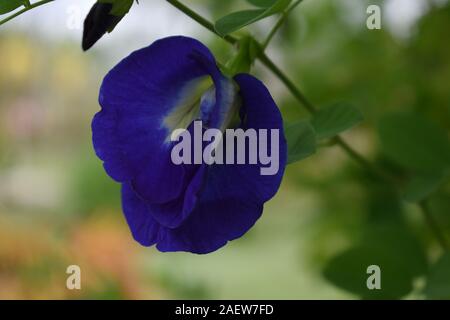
point(219, 115)
point(187, 108)
point(197, 100)
point(230, 105)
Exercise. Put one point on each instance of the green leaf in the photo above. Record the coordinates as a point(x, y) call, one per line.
point(329, 122)
point(422, 186)
point(396, 252)
point(245, 57)
point(10, 5)
point(240, 19)
point(301, 140)
point(414, 142)
point(438, 282)
point(393, 235)
point(262, 3)
point(348, 271)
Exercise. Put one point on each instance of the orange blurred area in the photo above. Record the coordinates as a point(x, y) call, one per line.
point(33, 261)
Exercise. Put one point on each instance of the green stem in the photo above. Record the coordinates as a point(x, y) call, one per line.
point(434, 226)
point(279, 23)
point(27, 8)
point(202, 21)
point(295, 91)
point(376, 171)
point(298, 94)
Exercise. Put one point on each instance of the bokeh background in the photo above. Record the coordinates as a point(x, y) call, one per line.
point(58, 207)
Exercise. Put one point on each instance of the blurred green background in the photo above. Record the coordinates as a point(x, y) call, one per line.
point(58, 207)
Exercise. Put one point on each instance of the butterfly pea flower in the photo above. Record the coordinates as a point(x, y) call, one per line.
point(167, 86)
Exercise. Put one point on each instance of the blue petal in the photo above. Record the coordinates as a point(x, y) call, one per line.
point(225, 211)
point(261, 112)
point(143, 226)
point(147, 220)
point(137, 96)
point(228, 200)
point(174, 213)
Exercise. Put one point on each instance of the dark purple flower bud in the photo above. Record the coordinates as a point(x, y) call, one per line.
point(97, 23)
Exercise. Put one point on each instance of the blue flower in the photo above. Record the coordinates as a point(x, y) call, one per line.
point(190, 207)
